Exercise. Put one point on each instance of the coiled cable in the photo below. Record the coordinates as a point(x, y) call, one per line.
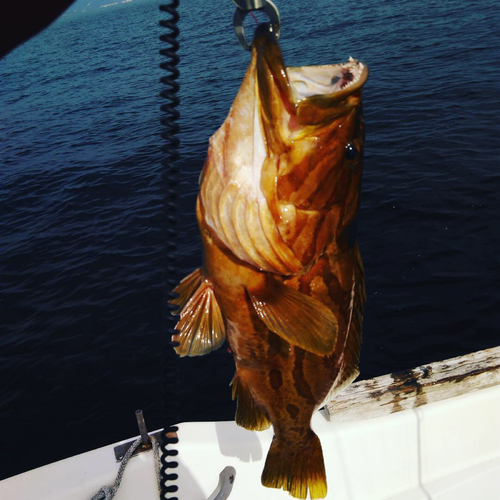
point(170, 182)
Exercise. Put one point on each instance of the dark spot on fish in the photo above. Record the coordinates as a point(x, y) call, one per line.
point(275, 379)
point(301, 386)
point(292, 410)
point(334, 80)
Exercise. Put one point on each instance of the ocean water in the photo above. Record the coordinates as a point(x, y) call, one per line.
point(81, 198)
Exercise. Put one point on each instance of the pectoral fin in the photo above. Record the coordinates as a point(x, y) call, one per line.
point(297, 318)
point(201, 326)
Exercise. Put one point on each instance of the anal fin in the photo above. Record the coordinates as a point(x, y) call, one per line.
point(248, 414)
point(297, 318)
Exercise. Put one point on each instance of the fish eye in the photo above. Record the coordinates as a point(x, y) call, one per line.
point(351, 151)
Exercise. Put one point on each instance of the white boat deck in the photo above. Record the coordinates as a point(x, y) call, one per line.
point(445, 450)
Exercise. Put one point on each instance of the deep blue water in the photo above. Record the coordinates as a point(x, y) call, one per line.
point(81, 237)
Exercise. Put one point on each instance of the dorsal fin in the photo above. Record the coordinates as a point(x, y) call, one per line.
point(350, 359)
point(349, 367)
point(201, 326)
point(297, 318)
point(185, 289)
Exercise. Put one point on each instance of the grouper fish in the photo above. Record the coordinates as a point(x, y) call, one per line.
point(282, 279)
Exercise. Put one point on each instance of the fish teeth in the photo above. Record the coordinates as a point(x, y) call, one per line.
point(356, 69)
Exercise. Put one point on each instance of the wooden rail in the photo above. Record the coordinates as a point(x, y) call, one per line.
point(416, 387)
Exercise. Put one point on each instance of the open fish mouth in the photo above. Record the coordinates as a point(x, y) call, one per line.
point(312, 93)
point(308, 81)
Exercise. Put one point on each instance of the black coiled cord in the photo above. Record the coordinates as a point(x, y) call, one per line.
point(170, 181)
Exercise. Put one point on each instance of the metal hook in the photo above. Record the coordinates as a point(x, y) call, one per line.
point(246, 6)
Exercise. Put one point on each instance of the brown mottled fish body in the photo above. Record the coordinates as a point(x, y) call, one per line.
point(282, 278)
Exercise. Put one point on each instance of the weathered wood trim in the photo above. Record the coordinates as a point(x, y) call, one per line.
point(416, 387)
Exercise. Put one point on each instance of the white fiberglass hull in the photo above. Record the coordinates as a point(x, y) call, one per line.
point(446, 450)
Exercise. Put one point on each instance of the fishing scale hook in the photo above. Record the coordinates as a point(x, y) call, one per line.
point(244, 7)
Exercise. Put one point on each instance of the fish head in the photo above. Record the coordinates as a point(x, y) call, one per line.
point(312, 122)
point(282, 172)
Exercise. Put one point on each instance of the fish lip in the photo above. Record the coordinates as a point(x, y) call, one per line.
point(264, 33)
point(265, 43)
point(266, 50)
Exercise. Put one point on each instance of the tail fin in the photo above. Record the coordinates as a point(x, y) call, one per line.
point(297, 468)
